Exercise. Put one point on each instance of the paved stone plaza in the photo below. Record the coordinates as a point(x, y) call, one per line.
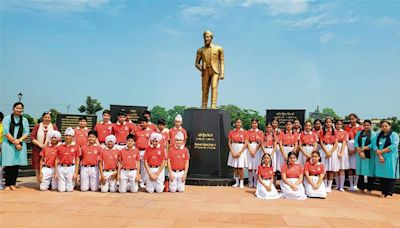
point(198, 207)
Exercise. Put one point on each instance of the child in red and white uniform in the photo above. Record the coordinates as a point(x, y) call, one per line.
point(343, 155)
point(177, 128)
point(81, 132)
point(178, 164)
point(237, 142)
point(265, 184)
point(352, 130)
point(131, 124)
point(297, 126)
point(269, 144)
point(108, 166)
point(329, 155)
point(147, 115)
point(161, 128)
point(104, 128)
point(292, 179)
point(67, 162)
point(121, 130)
point(253, 152)
point(143, 134)
point(318, 129)
point(308, 141)
point(90, 156)
point(47, 162)
point(288, 141)
point(314, 177)
point(129, 166)
point(154, 159)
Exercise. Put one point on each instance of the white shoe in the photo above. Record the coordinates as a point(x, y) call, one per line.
point(241, 185)
point(235, 185)
point(342, 190)
point(142, 185)
point(328, 190)
point(355, 188)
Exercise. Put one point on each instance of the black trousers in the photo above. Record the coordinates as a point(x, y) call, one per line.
point(387, 186)
point(362, 185)
point(11, 174)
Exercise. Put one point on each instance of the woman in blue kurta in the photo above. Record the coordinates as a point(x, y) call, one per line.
point(364, 156)
point(387, 158)
point(14, 152)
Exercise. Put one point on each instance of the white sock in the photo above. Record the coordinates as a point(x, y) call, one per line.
point(250, 177)
point(337, 182)
point(341, 181)
point(241, 184)
point(330, 184)
point(326, 182)
point(351, 181)
point(237, 180)
point(356, 180)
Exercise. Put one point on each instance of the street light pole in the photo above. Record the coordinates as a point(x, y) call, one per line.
point(19, 97)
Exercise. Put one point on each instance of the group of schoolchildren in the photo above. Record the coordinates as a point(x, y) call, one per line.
point(119, 156)
point(309, 159)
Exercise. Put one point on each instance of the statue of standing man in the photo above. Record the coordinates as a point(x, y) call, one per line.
point(210, 61)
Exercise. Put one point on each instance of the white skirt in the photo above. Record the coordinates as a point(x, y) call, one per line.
point(252, 163)
point(332, 163)
point(262, 192)
point(352, 158)
point(280, 160)
point(344, 161)
point(308, 150)
point(310, 192)
point(240, 162)
point(288, 193)
point(269, 151)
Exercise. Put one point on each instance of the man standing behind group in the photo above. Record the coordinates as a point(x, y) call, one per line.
point(210, 61)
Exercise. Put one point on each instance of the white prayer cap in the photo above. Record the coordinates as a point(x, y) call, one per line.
point(69, 131)
point(179, 136)
point(155, 136)
point(111, 138)
point(56, 134)
point(178, 117)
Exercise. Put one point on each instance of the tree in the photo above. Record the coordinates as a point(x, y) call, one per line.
point(54, 113)
point(92, 106)
point(158, 112)
point(246, 115)
point(177, 109)
point(30, 119)
point(330, 112)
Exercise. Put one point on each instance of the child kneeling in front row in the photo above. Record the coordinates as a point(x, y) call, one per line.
point(129, 166)
point(108, 166)
point(178, 164)
point(47, 162)
point(154, 162)
point(265, 183)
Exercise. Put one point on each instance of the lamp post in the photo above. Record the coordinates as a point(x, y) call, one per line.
point(19, 97)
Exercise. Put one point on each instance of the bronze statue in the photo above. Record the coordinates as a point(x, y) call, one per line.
point(210, 61)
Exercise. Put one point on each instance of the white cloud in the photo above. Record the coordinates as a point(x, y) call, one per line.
point(326, 37)
point(387, 21)
point(54, 5)
point(193, 12)
point(275, 7)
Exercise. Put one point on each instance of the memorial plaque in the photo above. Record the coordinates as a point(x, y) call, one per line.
point(284, 115)
point(208, 142)
point(63, 121)
point(135, 112)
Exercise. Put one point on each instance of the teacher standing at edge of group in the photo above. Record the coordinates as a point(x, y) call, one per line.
point(210, 61)
point(14, 150)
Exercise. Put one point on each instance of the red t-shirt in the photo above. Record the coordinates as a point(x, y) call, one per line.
point(152, 126)
point(269, 139)
point(289, 138)
point(308, 138)
point(352, 131)
point(67, 154)
point(81, 135)
point(121, 131)
point(294, 171)
point(154, 155)
point(142, 138)
point(109, 158)
point(103, 130)
point(178, 157)
point(328, 138)
point(238, 136)
point(90, 154)
point(255, 135)
point(49, 154)
point(265, 171)
point(165, 138)
point(129, 157)
point(314, 169)
point(172, 133)
point(342, 136)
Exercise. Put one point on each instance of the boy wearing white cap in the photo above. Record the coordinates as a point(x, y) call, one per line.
point(67, 162)
point(129, 166)
point(108, 166)
point(177, 128)
point(178, 164)
point(47, 162)
point(154, 161)
point(90, 155)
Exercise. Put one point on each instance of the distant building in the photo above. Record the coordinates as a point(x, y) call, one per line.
point(317, 114)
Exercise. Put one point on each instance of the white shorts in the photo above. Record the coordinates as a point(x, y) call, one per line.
point(352, 158)
point(252, 162)
point(308, 150)
point(177, 184)
point(331, 164)
point(48, 179)
point(269, 151)
point(128, 177)
point(310, 192)
point(262, 192)
point(288, 193)
point(240, 162)
point(280, 160)
point(110, 184)
point(65, 176)
point(344, 161)
point(89, 178)
point(156, 185)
